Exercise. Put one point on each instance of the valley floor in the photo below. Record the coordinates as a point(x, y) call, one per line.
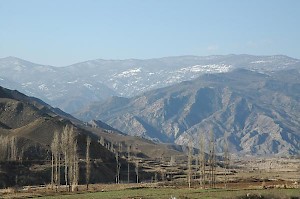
point(275, 177)
point(156, 191)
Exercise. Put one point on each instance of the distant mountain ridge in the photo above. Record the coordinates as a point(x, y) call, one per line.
point(73, 87)
point(259, 113)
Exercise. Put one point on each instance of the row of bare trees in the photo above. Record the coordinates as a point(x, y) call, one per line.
point(206, 168)
point(128, 155)
point(64, 153)
point(205, 165)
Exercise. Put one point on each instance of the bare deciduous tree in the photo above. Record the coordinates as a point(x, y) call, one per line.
point(195, 171)
point(137, 170)
point(172, 160)
point(55, 149)
point(212, 161)
point(75, 172)
point(190, 159)
point(71, 159)
point(13, 148)
point(9, 149)
point(128, 165)
point(52, 170)
point(65, 151)
point(88, 162)
point(117, 156)
point(202, 161)
point(162, 174)
point(226, 159)
point(4, 148)
point(102, 141)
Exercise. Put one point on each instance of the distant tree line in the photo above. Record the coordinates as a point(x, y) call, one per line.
point(65, 159)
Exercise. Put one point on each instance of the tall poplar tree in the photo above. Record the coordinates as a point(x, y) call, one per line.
point(202, 161)
point(212, 161)
point(88, 162)
point(55, 149)
point(190, 160)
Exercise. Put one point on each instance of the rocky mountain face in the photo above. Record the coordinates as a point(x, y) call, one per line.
point(258, 113)
point(72, 87)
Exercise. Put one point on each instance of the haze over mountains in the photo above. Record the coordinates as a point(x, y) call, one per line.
point(252, 100)
point(73, 87)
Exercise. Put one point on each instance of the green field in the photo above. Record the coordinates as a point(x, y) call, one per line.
point(166, 193)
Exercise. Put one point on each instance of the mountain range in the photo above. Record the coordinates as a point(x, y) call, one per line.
point(258, 113)
point(252, 101)
point(72, 87)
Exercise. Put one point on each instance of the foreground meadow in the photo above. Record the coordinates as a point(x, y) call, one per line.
point(164, 193)
point(169, 193)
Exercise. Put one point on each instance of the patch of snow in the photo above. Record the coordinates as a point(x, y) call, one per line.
point(43, 87)
point(1, 79)
point(218, 68)
point(72, 82)
point(261, 62)
point(89, 86)
point(128, 73)
point(26, 84)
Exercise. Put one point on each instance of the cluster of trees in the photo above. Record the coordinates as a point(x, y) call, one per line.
point(204, 170)
point(64, 154)
point(119, 154)
point(206, 167)
point(9, 150)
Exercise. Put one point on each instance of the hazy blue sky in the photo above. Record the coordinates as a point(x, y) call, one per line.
point(62, 32)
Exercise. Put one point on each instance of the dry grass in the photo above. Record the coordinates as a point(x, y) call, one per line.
point(151, 190)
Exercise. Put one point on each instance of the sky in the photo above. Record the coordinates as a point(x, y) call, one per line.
point(63, 32)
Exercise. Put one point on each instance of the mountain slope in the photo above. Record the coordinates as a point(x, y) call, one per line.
point(32, 119)
point(259, 113)
point(72, 87)
point(32, 123)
